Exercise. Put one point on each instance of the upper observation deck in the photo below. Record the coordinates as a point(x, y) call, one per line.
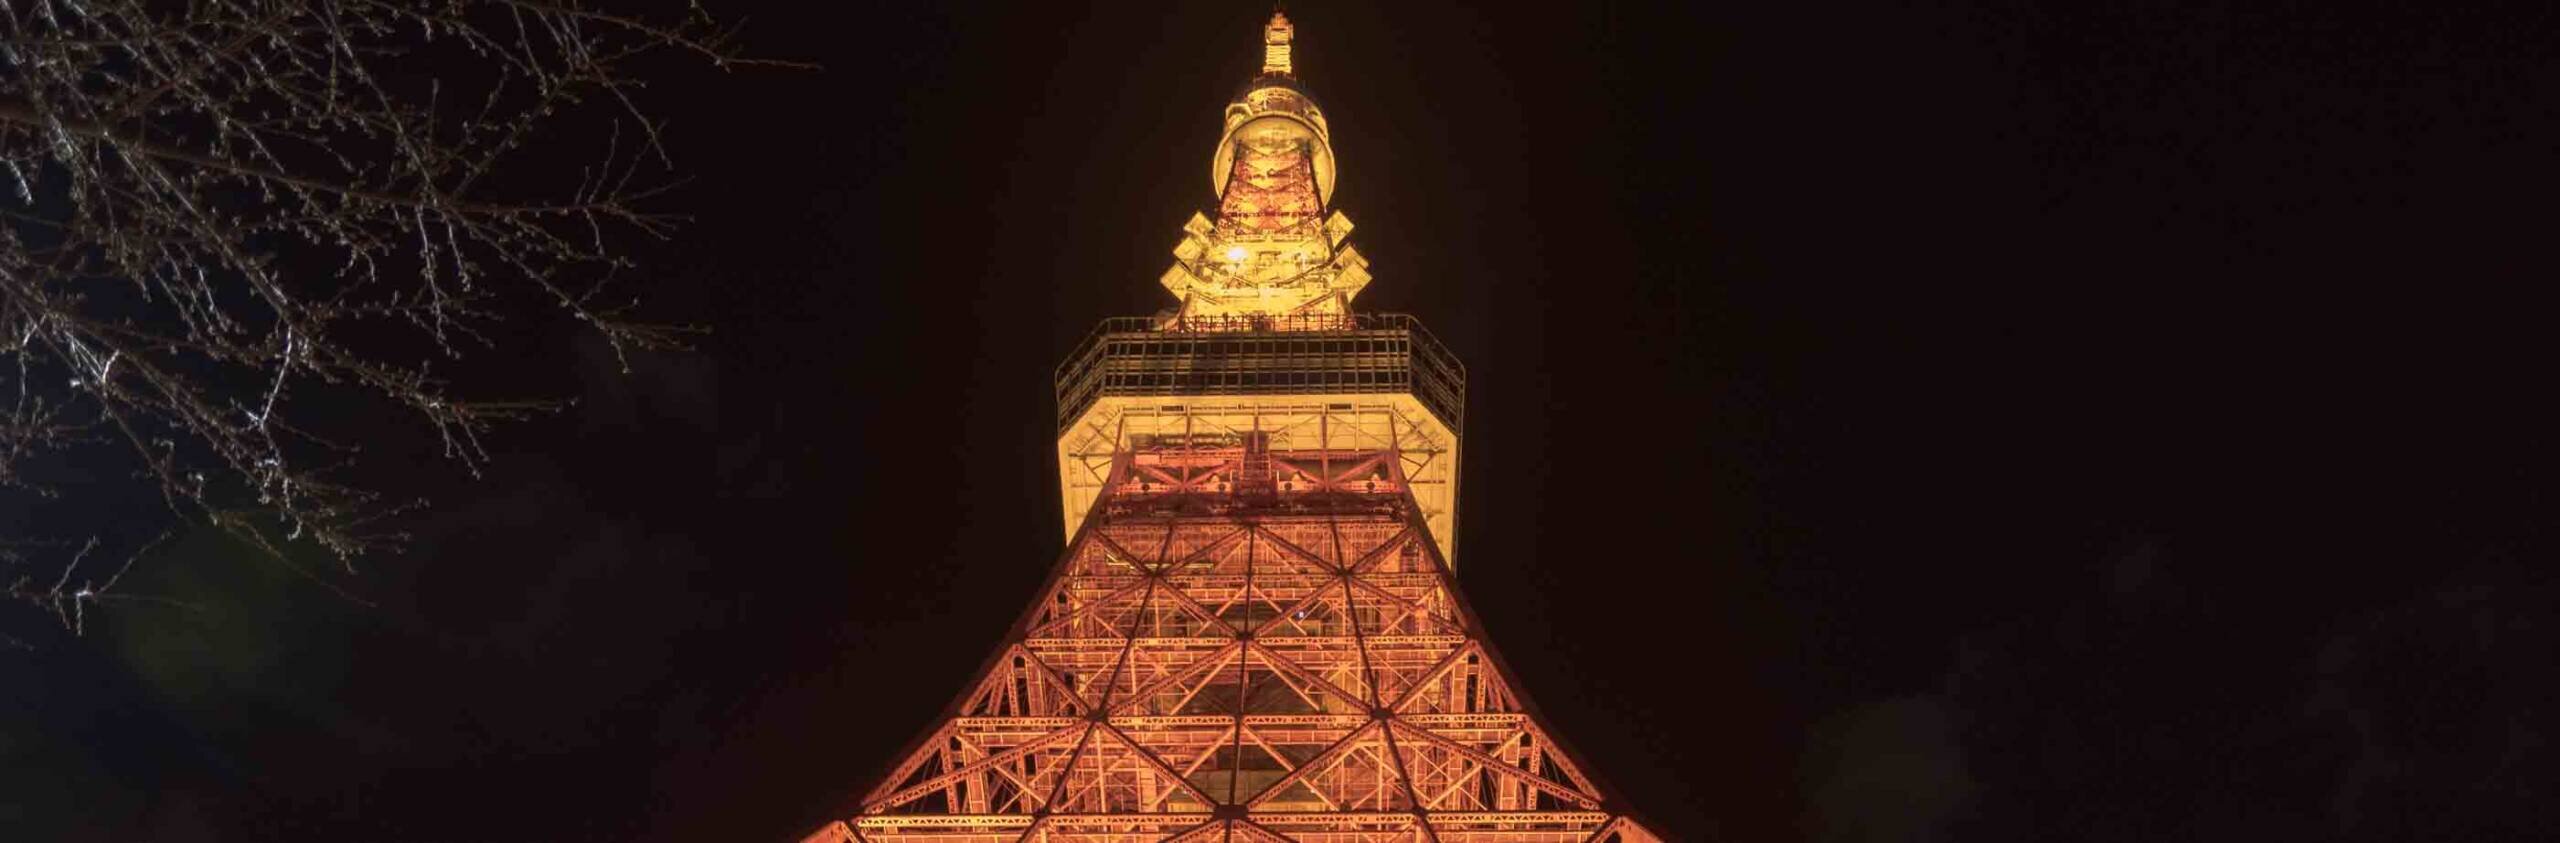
point(1314, 354)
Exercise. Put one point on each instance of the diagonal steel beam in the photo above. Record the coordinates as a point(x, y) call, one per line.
point(1289, 666)
point(1212, 752)
point(1215, 545)
point(930, 785)
point(1120, 665)
point(1158, 762)
point(1602, 833)
point(1587, 800)
point(1116, 549)
point(914, 760)
point(1023, 788)
point(1341, 476)
point(1335, 750)
point(1446, 664)
point(1195, 667)
point(1066, 771)
point(1314, 596)
point(1392, 544)
point(1056, 679)
point(1295, 550)
point(1184, 599)
point(1404, 780)
point(1089, 607)
point(1547, 744)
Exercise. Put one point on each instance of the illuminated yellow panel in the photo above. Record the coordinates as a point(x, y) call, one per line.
point(1254, 632)
point(1273, 250)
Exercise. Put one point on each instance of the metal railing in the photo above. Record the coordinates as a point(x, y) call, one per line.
point(1366, 353)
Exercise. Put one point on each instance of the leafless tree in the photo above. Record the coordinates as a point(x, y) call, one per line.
point(212, 213)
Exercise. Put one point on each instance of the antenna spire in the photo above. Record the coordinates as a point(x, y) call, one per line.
point(1275, 43)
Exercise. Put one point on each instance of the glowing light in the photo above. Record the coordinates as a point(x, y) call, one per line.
point(1365, 470)
point(1275, 43)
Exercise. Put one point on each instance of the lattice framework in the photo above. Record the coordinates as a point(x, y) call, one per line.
point(1216, 658)
point(1254, 633)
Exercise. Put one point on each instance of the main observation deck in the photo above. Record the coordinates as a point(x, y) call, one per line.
point(1358, 354)
point(1323, 387)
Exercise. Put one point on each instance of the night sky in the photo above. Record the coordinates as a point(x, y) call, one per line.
point(1885, 423)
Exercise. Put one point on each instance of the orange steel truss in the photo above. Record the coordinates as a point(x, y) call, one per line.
point(1221, 659)
point(1253, 634)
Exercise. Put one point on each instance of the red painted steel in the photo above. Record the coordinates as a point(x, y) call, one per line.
point(1217, 657)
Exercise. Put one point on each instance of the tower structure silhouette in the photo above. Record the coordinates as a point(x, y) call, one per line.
point(1254, 633)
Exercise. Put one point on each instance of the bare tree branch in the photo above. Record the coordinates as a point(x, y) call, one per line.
point(215, 215)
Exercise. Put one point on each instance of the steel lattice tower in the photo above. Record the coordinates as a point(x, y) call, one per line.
point(1254, 633)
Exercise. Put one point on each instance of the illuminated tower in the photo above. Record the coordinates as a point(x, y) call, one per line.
point(1253, 633)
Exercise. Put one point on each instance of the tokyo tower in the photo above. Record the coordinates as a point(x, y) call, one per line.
point(1254, 633)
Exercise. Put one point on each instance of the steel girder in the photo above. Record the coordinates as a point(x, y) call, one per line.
point(1213, 661)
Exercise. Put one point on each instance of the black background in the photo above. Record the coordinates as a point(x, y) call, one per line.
point(1885, 423)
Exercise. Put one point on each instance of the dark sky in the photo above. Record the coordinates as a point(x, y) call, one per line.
point(1885, 423)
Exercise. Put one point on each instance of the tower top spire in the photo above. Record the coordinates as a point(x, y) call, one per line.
point(1275, 44)
point(1274, 247)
